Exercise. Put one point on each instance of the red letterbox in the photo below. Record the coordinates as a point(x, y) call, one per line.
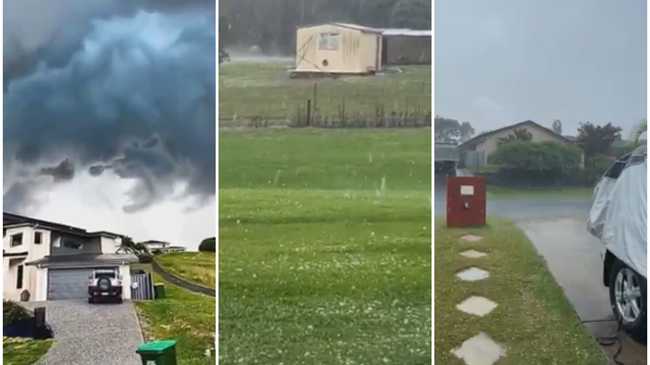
point(465, 201)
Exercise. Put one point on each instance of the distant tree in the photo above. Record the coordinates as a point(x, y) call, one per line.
point(466, 131)
point(128, 246)
point(639, 129)
point(208, 245)
point(518, 134)
point(557, 126)
point(447, 130)
point(415, 14)
point(595, 139)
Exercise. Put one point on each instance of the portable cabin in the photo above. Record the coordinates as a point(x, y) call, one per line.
point(338, 48)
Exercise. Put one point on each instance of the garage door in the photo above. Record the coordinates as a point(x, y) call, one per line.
point(67, 284)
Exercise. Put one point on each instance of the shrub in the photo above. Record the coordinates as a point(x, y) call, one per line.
point(208, 245)
point(145, 258)
point(536, 162)
point(12, 313)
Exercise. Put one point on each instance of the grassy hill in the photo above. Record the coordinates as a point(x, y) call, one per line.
point(184, 316)
point(198, 267)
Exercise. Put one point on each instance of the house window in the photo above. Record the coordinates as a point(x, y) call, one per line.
point(19, 277)
point(73, 245)
point(38, 236)
point(16, 240)
point(329, 41)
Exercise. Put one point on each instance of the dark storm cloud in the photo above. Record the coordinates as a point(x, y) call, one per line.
point(50, 32)
point(61, 172)
point(137, 98)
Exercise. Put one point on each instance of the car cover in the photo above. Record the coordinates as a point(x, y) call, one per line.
point(618, 215)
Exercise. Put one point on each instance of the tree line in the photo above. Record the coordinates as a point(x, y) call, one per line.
point(271, 24)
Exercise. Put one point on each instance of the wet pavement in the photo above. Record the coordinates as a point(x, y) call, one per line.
point(557, 228)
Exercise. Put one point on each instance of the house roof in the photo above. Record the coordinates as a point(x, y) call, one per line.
point(84, 261)
point(15, 220)
point(405, 32)
point(360, 28)
point(483, 136)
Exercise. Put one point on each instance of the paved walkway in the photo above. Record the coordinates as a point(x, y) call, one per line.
point(91, 333)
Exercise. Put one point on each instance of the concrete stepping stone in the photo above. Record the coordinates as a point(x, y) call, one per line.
point(478, 306)
point(473, 254)
point(473, 274)
point(471, 238)
point(479, 350)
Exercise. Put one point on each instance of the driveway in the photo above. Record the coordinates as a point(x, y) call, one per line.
point(92, 333)
point(557, 228)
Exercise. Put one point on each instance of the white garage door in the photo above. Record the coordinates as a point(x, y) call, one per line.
point(67, 284)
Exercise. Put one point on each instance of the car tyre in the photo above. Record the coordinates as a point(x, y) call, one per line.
point(628, 299)
point(91, 300)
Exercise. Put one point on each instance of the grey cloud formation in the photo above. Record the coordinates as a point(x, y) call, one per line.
point(136, 97)
point(499, 62)
point(61, 172)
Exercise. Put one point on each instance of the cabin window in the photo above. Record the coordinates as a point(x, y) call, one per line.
point(329, 41)
point(38, 237)
point(19, 277)
point(72, 244)
point(16, 240)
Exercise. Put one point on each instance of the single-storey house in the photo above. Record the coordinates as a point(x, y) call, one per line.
point(406, 47)
point(474, 153)
point(338, 48)
point(50, 261)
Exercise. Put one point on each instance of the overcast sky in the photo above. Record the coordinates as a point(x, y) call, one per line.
point(504, 61)
point(109, 116)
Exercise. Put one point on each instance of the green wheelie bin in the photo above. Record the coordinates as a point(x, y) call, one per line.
point(158, 352)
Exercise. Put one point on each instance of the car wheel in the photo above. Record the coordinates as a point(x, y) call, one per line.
point(91, 300)
point(627, 295)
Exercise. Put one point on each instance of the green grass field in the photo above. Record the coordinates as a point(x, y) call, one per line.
point(183, 316)
point(533, 320)
point(325, 247)
point(197, 267)
point(569, 192)
point(265, 90)
point(21, 351)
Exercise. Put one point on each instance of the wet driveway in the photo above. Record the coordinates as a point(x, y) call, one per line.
point(91, 333)
point(557, 228)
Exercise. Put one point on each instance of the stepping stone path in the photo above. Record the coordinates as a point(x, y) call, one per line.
point(478, 306)
point(473, 274)
point(473, 254)
point(471, 238)
point(479, 350)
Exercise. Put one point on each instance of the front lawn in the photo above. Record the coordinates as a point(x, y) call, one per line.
point(533, 319)
point(23, 351)
point(183, 316)
point(325, 249)
point(198, 267)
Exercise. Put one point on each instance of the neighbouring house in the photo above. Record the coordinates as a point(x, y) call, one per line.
point(474, 153)
point(406, 47)
point(152, 245)
point(338, 48)
point(162, 246)
point(51, 261)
